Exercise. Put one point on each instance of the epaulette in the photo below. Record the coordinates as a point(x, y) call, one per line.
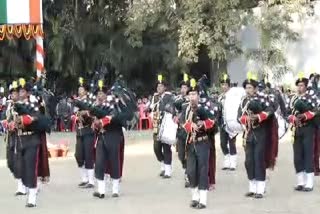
point(167, 93)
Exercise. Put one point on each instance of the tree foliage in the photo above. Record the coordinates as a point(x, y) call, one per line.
point(140, 38)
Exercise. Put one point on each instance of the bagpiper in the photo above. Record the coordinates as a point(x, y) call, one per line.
point(111, 112)
point(254, 112)
point(31, 124)
point(199, 119)
point(210, 103)
point(162, 101)
point(227, 142)
point(13, 145)
point(84, 153)
point(303, 108)
point(180, 101)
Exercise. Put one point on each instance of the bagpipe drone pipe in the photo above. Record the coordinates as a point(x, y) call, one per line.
point(120, 105)
point(255, 106)
point(126, 103)
point(209, 104)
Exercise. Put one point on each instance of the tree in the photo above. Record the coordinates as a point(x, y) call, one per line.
point(140, 38)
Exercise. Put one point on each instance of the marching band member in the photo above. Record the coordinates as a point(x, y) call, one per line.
point(302, 117)
point(212, 104)
point(227, 143)
point(278, 106)
point(111, 112)
point(180, 101)
point(314, 89)
point(254, 112)
point(162, 102)
point(31, 124)
point(84, 153)
point(13, 146)
point(199, 119)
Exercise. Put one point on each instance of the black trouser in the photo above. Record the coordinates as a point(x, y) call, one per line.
point(162, 151)
point(108, 150)
point(255, 154)
point(30, 157)
point(66, 121)
point(303, 149)
point(226, 141)
point(181, 147)
point(85, 148)
point(198, 164)
point(14, 159)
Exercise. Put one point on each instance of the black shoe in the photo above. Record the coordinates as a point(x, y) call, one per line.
point(88, 186)
point(20, 194)
point(166, 176)
point(187, 184)
point(232, 169)
point(201, 206)
point(115, 195)
point(258, 196)
point(98, 195)
point(307, 189)
point(194, 204)
point(225, 168)
point(82, 184)
point(30, 205)
point(249, 194)
point(299, 188)
point(161, 174)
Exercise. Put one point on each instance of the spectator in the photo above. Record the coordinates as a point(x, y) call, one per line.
point(64, 112)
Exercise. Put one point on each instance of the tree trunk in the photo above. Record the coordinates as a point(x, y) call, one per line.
point(217, 68)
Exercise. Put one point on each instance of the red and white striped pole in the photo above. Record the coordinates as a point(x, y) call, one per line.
point(39, 56)
point(39, 47)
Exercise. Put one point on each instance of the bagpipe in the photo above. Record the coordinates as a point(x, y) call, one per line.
point(41, 122)
point(120, 104)
point(209, 104)
point(252, 107)
point(301, 105)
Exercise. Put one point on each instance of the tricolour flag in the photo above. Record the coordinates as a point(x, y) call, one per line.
point(20, 11)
